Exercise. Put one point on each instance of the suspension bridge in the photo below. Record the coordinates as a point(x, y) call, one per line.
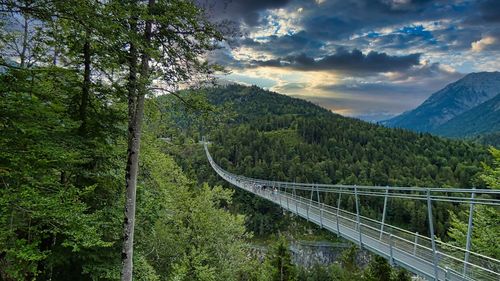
point(425, 256)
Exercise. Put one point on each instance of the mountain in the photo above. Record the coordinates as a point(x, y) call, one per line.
point(484, 118)
point(450, 102)
point(374, 117)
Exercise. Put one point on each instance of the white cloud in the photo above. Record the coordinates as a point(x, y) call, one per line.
point(280, 22)
point(482, 44)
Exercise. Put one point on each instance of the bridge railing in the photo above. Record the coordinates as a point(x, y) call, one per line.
point(449, 256)
point(453, 262)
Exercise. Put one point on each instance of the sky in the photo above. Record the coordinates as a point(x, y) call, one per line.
point(365, 58)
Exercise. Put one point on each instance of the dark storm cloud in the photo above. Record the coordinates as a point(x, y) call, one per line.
point(352, 62)
point(289, 44)
point(246, 10)
point(334, 20)
point(339, 20)
point(490, 11)
point(223, 57)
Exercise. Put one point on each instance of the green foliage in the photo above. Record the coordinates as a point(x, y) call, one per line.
point(348, 259)
point(401, 275)
point(316, 273)
point(63, 116)
point(255, 270)
point(280, 259)
point(491, 175)
point(48, 205)
point(378, 270)
point(61, 203)
point(486, 220)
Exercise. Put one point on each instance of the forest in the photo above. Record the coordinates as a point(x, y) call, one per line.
point(79, 97)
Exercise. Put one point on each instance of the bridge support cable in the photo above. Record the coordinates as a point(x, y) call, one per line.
point(469, 232)
point(294, 198)
point(433, 238)
point(422, 255)
point(357, 217)
point(415, 244)
point(310, 203)
point(338, 210)
point(317, 192)
point(384, 212)
point(322, 207)
point(391, 245)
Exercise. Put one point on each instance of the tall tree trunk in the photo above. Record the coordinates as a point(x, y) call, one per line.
point(86, 84)
point(137, 93)
point(131, 170)
point(24, 47)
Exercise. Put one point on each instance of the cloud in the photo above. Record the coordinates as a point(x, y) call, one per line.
point(484, 43)
point(339, 19)
point(424, 73)
point(289, 44)
point(411, 36)
point(343, 60)
point(246, 10)
point(490, 11)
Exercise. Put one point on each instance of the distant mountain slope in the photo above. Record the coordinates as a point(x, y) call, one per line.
point(481, 119)
point(453, 100)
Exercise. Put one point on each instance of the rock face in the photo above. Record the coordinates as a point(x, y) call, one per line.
point(453, 100)
point(307, 253)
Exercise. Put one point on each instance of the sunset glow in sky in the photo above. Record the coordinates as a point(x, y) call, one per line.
point(372, 58)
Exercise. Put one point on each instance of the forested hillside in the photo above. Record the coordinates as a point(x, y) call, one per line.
point(271, 136)
point(329, 148)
